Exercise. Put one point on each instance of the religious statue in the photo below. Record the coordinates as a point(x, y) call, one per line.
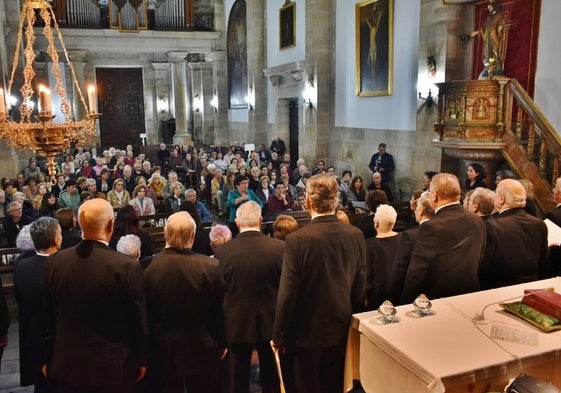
point(494, 35)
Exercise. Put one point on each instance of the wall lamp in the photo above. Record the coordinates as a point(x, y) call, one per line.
point(309, 92)
point(429, 100)
point(250, 98)
point(197, 103)
point(214, 102)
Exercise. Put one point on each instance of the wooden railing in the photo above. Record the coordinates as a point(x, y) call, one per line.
point(532, 146)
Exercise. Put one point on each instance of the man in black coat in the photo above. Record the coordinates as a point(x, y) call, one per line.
point(251, 265)
point(28, 286)
point(516, 241)
point(322, 284)
point(184, 294)
point(95, 311)
point(449, 246)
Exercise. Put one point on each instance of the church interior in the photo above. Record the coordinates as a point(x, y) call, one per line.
point(221, 72)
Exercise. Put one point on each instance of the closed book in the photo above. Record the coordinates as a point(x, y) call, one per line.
point(544, 300)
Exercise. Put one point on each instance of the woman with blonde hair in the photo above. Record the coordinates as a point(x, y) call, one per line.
point(42, 189)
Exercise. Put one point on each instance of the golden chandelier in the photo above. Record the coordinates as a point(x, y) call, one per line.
point(37, 131)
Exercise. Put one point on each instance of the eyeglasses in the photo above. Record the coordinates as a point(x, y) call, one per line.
point(244, 182)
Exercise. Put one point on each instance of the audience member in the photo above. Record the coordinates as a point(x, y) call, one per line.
point(278, 146)
point(516, 250)
point(14, 221)
point(279, 201)
point(67, 221)
point(70, 197)
point(126, 223)
point(191, 196)
point(427, 178)
point(104, 183)
point(344, 187)
point(251, 265)
point(118, 197)
point(324, 265)
point(237, 197)
point(475, 176)
point(357, 191)
point(28, 286)
point(95, 311)
point(383, 163)
point(24, 242)
point(449, 246)
point(184, 297)
point(283, 226)
point(342, 216)
point(142, 205)
point(531, 207)
point(377, 184)
point(503, 174)
point(412, 221)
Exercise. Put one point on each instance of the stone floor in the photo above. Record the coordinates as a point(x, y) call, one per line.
point(9, 378)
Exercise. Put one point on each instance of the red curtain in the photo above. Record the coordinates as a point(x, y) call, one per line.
point(523, 21)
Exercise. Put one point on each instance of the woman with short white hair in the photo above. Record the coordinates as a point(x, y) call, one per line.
point(382, 250)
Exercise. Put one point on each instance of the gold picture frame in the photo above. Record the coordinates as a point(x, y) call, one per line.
point(374, 48)
point(287, 25)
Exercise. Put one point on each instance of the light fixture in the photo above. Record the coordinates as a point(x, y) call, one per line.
point(309, 92)
point(428, 99)
point(250, 99)
point(214, 102)
point(40, 133)
point(197, 103)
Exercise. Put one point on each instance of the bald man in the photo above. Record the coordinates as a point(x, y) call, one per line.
point(95, 311)
point(516, 241)
point(449, 246)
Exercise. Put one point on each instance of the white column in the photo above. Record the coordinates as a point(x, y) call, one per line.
point(181, 104)
point(78, 59)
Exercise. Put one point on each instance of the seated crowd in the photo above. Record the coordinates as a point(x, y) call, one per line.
point(213, 296)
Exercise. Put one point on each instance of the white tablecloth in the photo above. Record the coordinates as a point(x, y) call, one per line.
point(447, 350)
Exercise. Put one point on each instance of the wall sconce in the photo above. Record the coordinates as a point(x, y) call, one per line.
point(428, 99)
point(309, 92)
point(214, 102)
point(197, 103)
point(162, 104)
point(250, 98)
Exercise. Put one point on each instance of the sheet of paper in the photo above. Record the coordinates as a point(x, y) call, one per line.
point(524, 337)
point(553, 233)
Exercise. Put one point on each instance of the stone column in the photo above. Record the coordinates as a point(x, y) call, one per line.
point(220, 89)
point(180, 97)
point(257, 118)
point(202, 86)
point(78, 59)
point(320, 48)
point(162, 97)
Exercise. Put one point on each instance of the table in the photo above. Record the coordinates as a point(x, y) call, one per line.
point(447, 352)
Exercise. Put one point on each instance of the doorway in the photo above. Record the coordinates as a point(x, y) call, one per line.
point(121, 103)
point(293, 131)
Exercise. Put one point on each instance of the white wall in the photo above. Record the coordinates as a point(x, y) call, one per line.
point(276, 56)
point(548, 74)
point(395, 112)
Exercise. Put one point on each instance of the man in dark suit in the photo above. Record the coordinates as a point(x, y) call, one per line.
point(28, 286)
point(322, 284)
point(516, 241)
point(95, 311)
point(251, 265)
point(184, 294)
point(423, 212)
point(4, 323)
point(449, 246)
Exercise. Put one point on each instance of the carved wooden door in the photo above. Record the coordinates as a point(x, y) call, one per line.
point(121, 103)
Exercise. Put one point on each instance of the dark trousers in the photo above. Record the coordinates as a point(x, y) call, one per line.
point(195, 383)
point(319, 369)
point(120, 388)
point(240, 361)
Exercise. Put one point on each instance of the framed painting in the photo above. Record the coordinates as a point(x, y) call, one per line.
point(374, 48)
point(287, 25)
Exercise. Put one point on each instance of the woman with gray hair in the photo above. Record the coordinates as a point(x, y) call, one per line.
point(129, 245)
point(382, 250)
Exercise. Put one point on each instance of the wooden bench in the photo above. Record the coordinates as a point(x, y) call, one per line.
point(7, 258)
